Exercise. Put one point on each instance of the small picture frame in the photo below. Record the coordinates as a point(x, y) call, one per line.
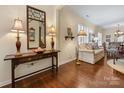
point(69, 32)
point(108, 36)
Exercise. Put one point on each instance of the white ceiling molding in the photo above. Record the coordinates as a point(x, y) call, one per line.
point(59, 7)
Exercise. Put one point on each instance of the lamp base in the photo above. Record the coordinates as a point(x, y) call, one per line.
point(52, 44)
point(78, 62)
point(18, 54)
point(18, 46)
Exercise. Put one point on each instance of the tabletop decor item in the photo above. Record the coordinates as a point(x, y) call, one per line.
point(52, 33)
point(18, 27)
point(39, 50)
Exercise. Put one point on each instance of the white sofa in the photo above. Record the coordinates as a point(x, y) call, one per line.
point(91, 56)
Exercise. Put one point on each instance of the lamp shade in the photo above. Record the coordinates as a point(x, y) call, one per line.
point(17, 26)
point(82, 33)
point(52, 31)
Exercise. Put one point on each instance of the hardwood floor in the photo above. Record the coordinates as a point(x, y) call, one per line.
point(71, 75)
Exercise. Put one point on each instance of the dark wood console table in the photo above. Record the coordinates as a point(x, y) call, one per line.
point(29, 57)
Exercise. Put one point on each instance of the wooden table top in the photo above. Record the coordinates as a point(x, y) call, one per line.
point(28, 54)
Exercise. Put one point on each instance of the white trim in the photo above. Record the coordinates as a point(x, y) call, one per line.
point(64, 62)
point(3, 83)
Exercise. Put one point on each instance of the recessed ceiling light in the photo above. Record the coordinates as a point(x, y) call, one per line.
point(87, 16)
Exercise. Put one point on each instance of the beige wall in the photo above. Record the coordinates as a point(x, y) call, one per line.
point(8, 39)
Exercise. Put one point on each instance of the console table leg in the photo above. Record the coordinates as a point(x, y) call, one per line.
point(52, 62)
point(114, 58)
point(13, 74)
point(114, 61)
point(57, 63)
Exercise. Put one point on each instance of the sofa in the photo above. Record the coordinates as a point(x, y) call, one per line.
point(90, 55)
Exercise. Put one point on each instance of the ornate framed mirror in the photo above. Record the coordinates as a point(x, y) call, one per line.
point(36, 28)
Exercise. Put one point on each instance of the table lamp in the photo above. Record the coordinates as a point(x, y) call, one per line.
point(81, 33)
point(52, 33)
point(17, 27)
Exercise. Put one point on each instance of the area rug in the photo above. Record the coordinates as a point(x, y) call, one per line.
point(119, 65)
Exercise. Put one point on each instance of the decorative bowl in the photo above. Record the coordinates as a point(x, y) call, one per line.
point(39, 51)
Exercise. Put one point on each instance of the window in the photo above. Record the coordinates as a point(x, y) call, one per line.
point(85, 39)
point(99, 39)
point(120, 38)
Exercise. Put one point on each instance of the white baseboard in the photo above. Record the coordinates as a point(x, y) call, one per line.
point(3, 83)
point(64, 62)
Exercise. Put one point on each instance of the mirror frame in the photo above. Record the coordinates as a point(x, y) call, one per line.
point(27, 11)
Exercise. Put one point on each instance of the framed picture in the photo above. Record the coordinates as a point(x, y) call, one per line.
point(69, 32)
point(32, 34)
point(108, 36)
point(108, 40)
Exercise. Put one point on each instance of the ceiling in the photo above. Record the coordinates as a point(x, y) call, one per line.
point(102, 15)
